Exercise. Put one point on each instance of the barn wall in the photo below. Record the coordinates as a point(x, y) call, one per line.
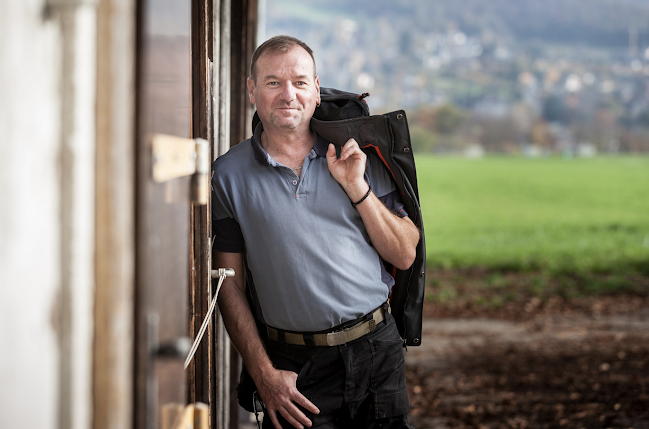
point(47, 82)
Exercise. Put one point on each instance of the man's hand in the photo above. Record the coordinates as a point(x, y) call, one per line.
point(279, 393)
point(349, 169)
point(394, 238)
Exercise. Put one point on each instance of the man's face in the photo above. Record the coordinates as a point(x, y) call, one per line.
point(286, 90)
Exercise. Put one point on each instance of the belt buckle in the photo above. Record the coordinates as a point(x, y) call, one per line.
point(336, 338)
point(372, 325)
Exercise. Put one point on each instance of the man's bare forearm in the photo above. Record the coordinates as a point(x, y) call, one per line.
point(238, 318)
point(242, 329)
point(394, 238)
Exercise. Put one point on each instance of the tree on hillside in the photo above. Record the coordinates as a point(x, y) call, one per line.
point(541, 136)
point(449, 118)
point(423, 140)
point(435, 128)
point(497, 134)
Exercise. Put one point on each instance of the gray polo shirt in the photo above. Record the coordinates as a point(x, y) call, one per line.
point(310, 260)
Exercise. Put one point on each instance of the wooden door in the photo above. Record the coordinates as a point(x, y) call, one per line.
point(162, 209)
point(192, 58)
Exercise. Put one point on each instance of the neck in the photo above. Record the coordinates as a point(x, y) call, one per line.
point(287, 146)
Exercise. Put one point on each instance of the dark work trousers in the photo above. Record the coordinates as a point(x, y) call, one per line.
point(361, 384)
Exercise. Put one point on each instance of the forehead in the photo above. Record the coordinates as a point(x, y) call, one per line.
point(296, 62)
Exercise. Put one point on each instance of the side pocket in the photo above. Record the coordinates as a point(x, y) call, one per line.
point(391, 404)
point(305, 384)
point(389, 379)
point(305, 371)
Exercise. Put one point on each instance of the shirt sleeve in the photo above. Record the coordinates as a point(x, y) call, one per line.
point(227, 235)
point(394, 203)
point(225, 228)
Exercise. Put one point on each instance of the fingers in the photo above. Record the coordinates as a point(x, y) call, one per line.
point(331, 154)
point(282, 396)
point(273, 418)
point(300, 399)
point(349, 168)
point(350, 148)
point(292, 414)
point(350, 151)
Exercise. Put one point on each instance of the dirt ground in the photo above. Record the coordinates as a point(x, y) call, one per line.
point(580, 363)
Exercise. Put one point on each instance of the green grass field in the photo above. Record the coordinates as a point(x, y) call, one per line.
point(549, 214)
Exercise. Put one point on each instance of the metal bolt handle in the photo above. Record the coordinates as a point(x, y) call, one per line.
point(221, 273)
point(174, 349)
point(228, 272)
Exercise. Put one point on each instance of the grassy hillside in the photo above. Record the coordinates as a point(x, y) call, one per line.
point(552, 215)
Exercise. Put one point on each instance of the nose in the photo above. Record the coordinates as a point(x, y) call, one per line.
point(288, 92)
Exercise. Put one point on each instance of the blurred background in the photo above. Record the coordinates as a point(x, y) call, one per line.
point(531, 77)
point(530, 127)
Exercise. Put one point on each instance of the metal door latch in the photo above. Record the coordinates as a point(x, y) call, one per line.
point(174, 157)
point(174, 349)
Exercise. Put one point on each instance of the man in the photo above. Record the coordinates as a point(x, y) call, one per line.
point(311, 230)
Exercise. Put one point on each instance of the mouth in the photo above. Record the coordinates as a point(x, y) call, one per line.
point(287, 110)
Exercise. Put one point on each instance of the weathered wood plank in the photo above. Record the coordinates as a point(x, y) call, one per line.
point(201, 374)
point(115, 217)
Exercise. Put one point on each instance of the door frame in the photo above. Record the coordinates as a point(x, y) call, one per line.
point(223, 39)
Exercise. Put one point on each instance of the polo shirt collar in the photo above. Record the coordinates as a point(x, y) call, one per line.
point(260, 153)
point(320, 146)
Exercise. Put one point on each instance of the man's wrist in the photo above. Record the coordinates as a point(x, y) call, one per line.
point(260, 367)
point(364, 197)
point(357, 191)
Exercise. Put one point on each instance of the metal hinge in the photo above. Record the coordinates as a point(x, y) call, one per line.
point(175, 157)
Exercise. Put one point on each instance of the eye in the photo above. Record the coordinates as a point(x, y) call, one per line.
point(300, 83)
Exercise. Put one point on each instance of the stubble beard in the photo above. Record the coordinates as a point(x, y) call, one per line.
point(290, 122)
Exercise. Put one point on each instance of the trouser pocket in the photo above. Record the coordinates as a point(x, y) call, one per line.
point(388, 379)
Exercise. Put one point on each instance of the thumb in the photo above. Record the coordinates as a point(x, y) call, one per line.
point(331, 154)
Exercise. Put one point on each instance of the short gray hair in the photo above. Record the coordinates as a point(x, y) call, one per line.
point(278, 44)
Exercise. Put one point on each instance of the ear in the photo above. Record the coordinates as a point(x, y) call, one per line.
point(251, 89)
point(316, 81)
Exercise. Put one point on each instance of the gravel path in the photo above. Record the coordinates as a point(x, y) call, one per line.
point(549, 369)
